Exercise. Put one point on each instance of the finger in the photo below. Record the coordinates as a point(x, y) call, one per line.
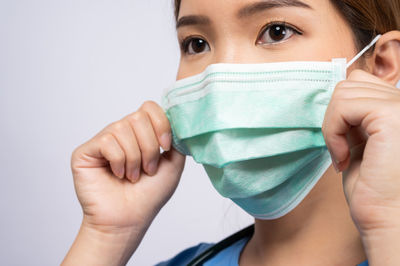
point(170, 169)
point(172, 162)
point(361, 75)
point(342, 114)
point(175, 159)
point(160, 123)
point(147, 141)
point(350, 176)
point(106, 146)
point(364, 92)
point(127, 140)
point(356, 136)
point(346, 84)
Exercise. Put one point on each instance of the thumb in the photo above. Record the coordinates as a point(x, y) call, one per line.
point(172, 161)
point(169, 172)
point(356, 136)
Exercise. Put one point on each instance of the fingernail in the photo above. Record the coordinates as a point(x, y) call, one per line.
point(166, 141)
point(135, 174)
point(152, 167)
point(120, 172)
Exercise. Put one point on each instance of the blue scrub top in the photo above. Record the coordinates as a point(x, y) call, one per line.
point(229, 256)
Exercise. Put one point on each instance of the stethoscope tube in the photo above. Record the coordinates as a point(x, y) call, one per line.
point(215, 249)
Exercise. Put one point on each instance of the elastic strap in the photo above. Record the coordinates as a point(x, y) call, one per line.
point(363, 50)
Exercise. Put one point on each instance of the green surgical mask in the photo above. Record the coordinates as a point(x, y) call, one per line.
point(256, 128)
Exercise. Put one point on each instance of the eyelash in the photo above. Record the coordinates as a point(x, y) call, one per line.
point(184, 44)
point(278, 23)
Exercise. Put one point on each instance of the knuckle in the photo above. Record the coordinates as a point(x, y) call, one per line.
point(135, 117)
point(118, 126)
point(340, 89)
point(148, 105)
point(106, 138)
point(341, 84)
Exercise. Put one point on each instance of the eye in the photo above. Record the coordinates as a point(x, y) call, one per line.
point(275, 33)
point(194, 45)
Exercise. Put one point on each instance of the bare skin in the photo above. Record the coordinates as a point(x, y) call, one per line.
point(349, 216)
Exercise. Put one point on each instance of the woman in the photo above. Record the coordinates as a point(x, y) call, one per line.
point(349, 223)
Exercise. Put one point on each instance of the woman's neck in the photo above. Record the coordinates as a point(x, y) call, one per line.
point(319, 231)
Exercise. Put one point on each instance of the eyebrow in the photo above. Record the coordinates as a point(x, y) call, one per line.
point(258, 7)
point(193, 20)
point(245, 11)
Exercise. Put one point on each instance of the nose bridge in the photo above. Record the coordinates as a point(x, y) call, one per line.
point(236, 47)
point(231, 49)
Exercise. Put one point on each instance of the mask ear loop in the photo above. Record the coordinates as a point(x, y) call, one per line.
point(363, 50)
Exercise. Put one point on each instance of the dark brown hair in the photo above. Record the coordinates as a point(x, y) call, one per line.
point(367, 18)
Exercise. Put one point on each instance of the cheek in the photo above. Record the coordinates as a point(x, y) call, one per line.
point(189, 68)
point(184, 70)
point(325, 47)
point(179, 74)
point(330, 37)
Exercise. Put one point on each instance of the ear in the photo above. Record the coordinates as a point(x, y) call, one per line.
point(385, 62)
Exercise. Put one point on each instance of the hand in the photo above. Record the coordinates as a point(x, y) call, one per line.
point(362, 131)
point(120, 178)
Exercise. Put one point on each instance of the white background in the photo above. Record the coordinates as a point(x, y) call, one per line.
point(68, 69)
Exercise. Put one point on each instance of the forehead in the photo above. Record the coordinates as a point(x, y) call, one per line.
point(224, 7)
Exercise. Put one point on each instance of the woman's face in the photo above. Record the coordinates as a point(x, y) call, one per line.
point(256, 31)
